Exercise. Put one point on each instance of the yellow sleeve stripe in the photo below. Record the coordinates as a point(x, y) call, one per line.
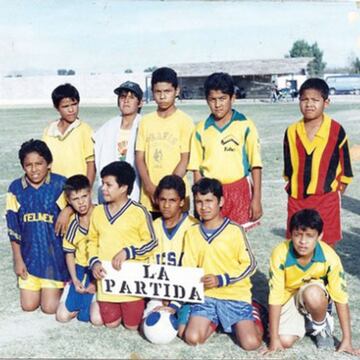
point(12, 203)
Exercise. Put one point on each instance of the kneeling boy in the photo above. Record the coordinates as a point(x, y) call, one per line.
point(78, 295)
point(220, 247)
point(306, 275)
point(120, 230)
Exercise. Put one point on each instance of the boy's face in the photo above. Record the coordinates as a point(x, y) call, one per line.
point(128, 103)
point(80, 201)
point(164, 95)
point(111, 190)
point(305, 240)
point(208, 206)
point(68, 110)
point(170, 204)
point(312, 104)
point(220, 104)
point(36, 168)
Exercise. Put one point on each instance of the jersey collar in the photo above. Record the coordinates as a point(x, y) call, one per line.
point(292, 260)
point(25, 183)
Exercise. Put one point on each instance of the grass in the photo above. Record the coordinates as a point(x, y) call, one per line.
point(35, 335)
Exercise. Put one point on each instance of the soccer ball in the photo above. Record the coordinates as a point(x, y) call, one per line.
point(160, 327)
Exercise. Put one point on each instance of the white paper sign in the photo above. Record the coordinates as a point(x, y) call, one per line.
point(154, 281)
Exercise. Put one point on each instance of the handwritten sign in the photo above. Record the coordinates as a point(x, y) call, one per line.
point(154, 281)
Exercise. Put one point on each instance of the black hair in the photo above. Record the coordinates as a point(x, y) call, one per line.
point(219, 81)
point(64, 91)
point(125, 91)
point(315, 84)
point(37, 146)
point(171, 182)
point(306, 218)
point(205, 186)
point(123, 172)
point(76, 183)
point(164, 74)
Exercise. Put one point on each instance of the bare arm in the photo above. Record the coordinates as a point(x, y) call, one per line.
point(180, 168)
point(62, 221)
point(197, 176)
point(144, 175)
point(70, 262)
point(255, 206)
point(274, 320)
point(91, 171)
point(19, 265)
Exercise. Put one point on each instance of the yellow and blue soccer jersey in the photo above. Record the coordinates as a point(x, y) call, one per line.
point(287, 275)
point(72, 150)
point(75, 241)
point(163, 140)
point(227, 154)
point(130, 229)
point(171, 245)
point(31, 215)
point(225, 253)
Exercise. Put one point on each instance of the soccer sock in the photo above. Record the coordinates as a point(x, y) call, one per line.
point(317, 326)
point(257, 316)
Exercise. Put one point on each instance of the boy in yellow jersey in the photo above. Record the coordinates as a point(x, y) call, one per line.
point(226, 147)
point(163, 142)
point(120, 230)
point(69, 138)
point(170, 229)
point(220, 247)
point(77, 296)
point(306, 276)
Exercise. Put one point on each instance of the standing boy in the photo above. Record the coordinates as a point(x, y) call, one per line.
point(170, 230)
point(163, 142)
point(115, 140)
point(226, 146)
point(220, 247)
point(69, 138)
point(33, 203)
point(77, 296)
point(306, 276)
point(120, 230)
point(317, 164)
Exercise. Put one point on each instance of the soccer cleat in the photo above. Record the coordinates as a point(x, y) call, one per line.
point(260, 315)
point(324, 338)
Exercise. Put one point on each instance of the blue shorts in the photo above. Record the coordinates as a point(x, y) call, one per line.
point(224, 312)
point(183, 314)
point(76, 301)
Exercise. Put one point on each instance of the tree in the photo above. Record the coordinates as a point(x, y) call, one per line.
point(128, 71)
point(62, 72)
point(150, 69)
point(303, 48)
point(71, 72)
point(355, 66)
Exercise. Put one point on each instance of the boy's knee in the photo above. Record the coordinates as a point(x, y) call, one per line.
point(114, 324)
point(28, 307)
point(96, 320)
point(193, 338)
point(62, 316)
point(314, 296)
point(250, 343)
point(288, 341)
point(131, 327)
point(48, 308)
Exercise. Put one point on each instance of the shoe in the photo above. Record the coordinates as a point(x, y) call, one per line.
point(324, 338)
point(260, 315)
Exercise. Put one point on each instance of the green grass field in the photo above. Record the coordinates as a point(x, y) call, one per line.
point(35, 335)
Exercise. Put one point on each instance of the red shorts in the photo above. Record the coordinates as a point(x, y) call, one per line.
point(237, 196)
point(130, 312)
point(328, 205)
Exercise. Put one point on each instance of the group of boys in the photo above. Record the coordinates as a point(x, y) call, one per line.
point(50, 213)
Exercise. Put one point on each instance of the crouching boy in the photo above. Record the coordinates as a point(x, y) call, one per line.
point(306, 276)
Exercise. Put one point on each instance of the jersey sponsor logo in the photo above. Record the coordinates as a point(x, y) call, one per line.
point(230, 143)
point(38, 217)
point(168, 258)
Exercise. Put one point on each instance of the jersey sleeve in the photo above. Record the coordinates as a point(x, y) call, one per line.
point(336, 280)
point(12, 217)
point(88, 143)
point(196, 151)
point(191, 251)
point(252, 142)
point(344, 159)
point(186, 132)
point(68, 240)
point(141, 137)
point(61, 201)
point(287, 158)
point(277, 276)
point(93, 241)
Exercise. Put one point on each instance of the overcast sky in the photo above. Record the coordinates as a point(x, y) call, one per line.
point(110, 36)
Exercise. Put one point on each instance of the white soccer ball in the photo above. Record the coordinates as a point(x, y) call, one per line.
point(160, 327)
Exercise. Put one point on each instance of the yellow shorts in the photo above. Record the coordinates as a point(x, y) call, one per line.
point(35, 283)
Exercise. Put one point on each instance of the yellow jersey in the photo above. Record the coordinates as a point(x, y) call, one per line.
point(75, 241)
point(163, 140)
point(228, 153)
point(130, 229)
point(287, 275)
point(72, 150)
point(225, 253)
point(171, 245)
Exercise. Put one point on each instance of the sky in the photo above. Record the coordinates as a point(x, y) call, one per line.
point(109, 36)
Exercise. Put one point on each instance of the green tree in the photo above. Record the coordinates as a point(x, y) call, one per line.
point(355, 66)
point(128, 71)
point(303, 48)
point(150, 69)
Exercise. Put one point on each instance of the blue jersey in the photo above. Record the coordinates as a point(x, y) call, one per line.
point(31, 215)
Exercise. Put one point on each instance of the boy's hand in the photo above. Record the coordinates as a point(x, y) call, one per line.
point(118, 259)
point(275, 345)
point(79, 287)
point(150, 190)
point(210, 281)
point(62, 221)
point(347, 348)
point(91, 289)
point(20, 269)
point(98, 271)
point(255, 211)
point(165, 308)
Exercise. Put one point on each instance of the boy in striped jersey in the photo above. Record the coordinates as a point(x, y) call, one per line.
point(77, 297)
point(220, 247)
point(317, 164)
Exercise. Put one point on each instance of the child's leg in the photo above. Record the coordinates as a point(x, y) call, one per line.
point(50, 299)
point(248, 335)
point(63, 313)
point(110, 313)
point(315, 301)
point(132, 313)
point(95, 316)
point(29, 299)
point(198, 330)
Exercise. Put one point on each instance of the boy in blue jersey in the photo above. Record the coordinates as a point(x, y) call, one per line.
point(170, 229)
point(220, 247)
point(33, 203)
point(306, 277)
point(77, 297)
